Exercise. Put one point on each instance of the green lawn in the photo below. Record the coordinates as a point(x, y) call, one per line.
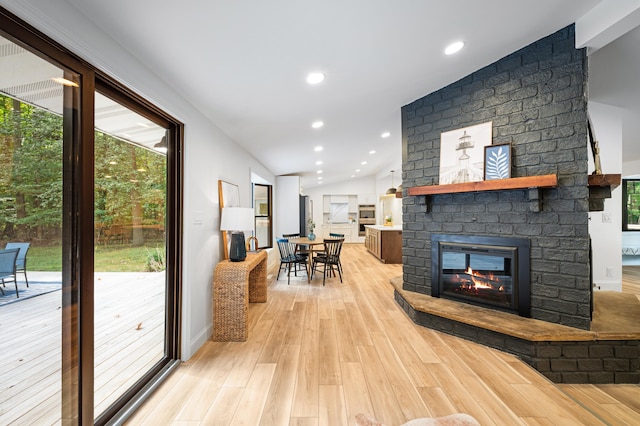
point(115, 258)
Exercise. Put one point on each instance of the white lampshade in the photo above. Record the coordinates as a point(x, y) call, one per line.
point(237, 219)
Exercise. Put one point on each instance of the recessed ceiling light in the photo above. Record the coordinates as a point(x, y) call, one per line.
point(357, 170)
point(317, 149)
point(453, 48)
point(318, 163)
point(317, 124)
point(373, 151)
point(385, 135)
point(363, 163)
point(319, 171)
point(315, 77)
point(353, 176)
point(319, 177)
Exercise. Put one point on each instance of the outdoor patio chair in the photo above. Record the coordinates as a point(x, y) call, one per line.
point(8, 268)
point(21, 261)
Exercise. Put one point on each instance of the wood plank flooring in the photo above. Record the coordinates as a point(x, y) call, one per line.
point(320, 355)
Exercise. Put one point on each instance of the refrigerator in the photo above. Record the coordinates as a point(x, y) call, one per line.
point(305, 214)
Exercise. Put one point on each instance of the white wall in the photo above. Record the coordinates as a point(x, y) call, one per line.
point(631, 170)
point(364, 188)
point(287, 205)
point(605, 227)
point(209, 154)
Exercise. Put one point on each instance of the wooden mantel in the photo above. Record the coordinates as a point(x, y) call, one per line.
point(533, 183)
point(600, 187)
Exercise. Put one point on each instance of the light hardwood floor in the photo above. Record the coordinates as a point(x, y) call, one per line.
point(320, 355)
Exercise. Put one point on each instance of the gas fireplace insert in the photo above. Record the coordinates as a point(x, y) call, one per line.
point(489, 271)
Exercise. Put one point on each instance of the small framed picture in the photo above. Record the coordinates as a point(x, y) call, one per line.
point(497, 161)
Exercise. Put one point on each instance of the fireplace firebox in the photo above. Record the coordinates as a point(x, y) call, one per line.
point(488, 271)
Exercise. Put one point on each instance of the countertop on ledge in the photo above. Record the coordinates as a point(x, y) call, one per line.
point(385, 228)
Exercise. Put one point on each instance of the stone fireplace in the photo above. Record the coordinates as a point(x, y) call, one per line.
point(535, 99)
point(468, 247)
point(486, 271)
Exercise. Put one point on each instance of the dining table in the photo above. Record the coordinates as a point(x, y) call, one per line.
point(310, 246)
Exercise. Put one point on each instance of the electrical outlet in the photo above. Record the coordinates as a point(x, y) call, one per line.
point(606, 217)
point(609, 271)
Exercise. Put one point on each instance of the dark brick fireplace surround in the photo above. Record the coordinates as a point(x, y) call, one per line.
point(536, 100)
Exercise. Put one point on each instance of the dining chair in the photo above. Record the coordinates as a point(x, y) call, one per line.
point(329, 260)
point(21, 261)
point(289, 257)
point(302, 249)
point(332, 236)
point(8, 268)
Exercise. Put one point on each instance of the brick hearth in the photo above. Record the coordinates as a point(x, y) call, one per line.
point(563, 354)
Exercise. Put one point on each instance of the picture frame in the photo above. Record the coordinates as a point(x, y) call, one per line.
point(497, 161)
point(228, 196)
point(462, 153)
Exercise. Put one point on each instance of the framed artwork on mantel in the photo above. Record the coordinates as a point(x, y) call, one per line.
point(228, 196)
point(497, 161)
point(462, 153)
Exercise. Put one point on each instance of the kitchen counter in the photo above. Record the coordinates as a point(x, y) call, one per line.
point(385, 228)
point(384, 242)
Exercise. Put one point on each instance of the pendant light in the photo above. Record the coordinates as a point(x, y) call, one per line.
point(392, 190)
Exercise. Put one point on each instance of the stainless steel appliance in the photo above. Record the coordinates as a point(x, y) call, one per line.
point(366, 216)
point(367, 211)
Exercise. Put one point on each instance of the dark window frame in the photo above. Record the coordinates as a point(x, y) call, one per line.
point(269, 216)
point(78, 211)
point(626, 183)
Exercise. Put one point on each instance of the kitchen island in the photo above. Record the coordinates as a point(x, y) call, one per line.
point(384, 242)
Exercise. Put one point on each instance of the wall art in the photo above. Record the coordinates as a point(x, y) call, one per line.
point(462, 153)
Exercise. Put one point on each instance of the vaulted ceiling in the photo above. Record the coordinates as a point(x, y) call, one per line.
point(243, 64)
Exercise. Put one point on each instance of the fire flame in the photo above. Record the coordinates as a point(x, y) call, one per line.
point(482, 281)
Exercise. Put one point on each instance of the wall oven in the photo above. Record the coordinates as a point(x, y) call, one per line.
point(366, 216)
point(367, 211)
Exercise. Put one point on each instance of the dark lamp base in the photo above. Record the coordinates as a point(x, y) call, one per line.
point(237, 251)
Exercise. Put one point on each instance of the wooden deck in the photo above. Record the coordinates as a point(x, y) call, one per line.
point(320, 355)
point(129, 325)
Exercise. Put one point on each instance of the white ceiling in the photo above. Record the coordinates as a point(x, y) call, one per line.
point(243, 64)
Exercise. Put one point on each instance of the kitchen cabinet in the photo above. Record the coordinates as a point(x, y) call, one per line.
point(350, 231)
point(326, 204)
point(384, 242)
point(353, 204)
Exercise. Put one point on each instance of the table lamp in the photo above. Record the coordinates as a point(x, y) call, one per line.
point(236, 220)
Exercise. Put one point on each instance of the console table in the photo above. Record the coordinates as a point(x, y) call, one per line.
point(235, 284)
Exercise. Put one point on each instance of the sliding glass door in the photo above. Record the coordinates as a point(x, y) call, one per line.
point(130, 248)
point(90, 184)
point(31, 214)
